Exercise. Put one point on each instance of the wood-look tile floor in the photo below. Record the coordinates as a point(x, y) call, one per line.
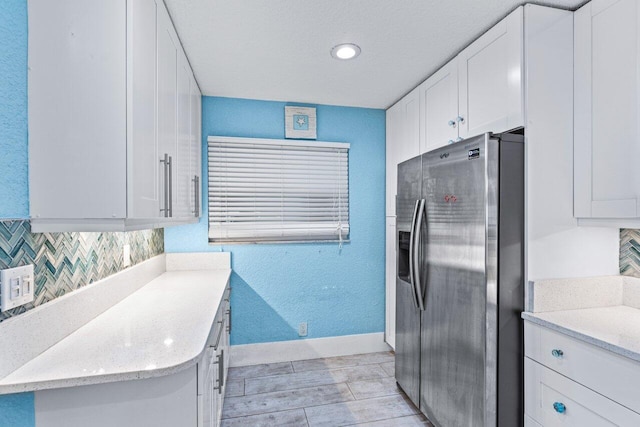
point(339, 391)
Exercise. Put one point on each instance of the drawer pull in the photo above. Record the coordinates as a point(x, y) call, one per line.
point(557, 353)
point(559, 407)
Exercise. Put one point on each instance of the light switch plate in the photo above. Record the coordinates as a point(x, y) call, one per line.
point(16, 287)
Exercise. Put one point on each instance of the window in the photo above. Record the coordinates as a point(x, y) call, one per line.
point(263, 190)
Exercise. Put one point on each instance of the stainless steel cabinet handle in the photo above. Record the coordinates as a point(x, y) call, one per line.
point(220, 362)
point(452, 123)
point(229, 321)
point(221, 371)
point(165, 165)
point(416, 208)
point(221, 322)
point(460, 119)
point(416, 257)
point(170, 186)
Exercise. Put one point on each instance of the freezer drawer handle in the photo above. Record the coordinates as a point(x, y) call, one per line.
point(416, 257)
point(559, 407)
point(557, 353)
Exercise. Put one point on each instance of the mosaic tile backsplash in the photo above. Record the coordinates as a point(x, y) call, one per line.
point(630, 252)
point(64, 262)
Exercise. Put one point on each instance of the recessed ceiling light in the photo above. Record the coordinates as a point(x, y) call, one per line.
point(345, 51)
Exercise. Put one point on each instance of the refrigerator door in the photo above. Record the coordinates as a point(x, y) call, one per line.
point(407, 312)
point(458, 357)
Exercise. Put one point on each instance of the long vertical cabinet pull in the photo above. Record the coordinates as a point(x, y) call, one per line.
point(196, 195)
point(229, 322)
point(416, 256)
point(170, 186)
point(165, 165)
point(416, 208)
point(220, 362)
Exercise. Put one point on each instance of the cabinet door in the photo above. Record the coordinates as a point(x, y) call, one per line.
point(183, 185)
point(607, 140)
point(394, 124)
point(196, 149)
point(439, 108)
point(409, 144)
point(142, 145)
point(403, 140)
point(490, 79)
point(208, 397)
point(167, 45)
point(77, 109)
point(390, 282)
point(552, 399)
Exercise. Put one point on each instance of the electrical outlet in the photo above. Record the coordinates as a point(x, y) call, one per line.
point(126, 255)
point(302, 329)
point(17, 286)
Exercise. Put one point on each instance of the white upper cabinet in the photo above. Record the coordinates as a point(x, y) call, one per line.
point(183, 189)
point(480, 90)
point(606, 115)
point(77, 109)
point(490, 79)
point(142, 168)
point(196, 150)
point(403, 140)
point(167, 110)
point(439, 108)
point(110, 125)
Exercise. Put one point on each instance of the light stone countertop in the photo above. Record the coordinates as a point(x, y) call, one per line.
point(616, 329)
point(160, 329)
point(602, 311)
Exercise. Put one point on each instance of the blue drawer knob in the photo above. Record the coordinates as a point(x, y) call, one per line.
point(557, 353)
point(559, 407)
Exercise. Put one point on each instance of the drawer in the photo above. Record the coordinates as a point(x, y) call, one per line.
point(554, 400)
point(609, 374)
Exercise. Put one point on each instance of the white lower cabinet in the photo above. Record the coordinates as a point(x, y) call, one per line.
point(214, 367)
point(552, 399)
point(571, 383)
point(192, 397)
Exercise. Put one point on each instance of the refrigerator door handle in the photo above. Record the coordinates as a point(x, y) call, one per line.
point(412, 269)
point(417, 284)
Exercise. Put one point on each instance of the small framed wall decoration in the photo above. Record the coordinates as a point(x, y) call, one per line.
point(300, 122)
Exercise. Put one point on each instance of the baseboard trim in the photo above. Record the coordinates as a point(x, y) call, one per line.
point(283, 351)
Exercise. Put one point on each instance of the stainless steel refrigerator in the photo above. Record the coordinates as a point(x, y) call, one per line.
point(459, 282)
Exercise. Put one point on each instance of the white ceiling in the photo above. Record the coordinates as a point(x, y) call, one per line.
point(280, 49)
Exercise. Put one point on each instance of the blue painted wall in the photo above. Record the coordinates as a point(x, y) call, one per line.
point(275, 287)
point(16, 410)
point(14, 188)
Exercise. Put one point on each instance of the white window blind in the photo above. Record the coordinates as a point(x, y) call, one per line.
point(264, 190)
